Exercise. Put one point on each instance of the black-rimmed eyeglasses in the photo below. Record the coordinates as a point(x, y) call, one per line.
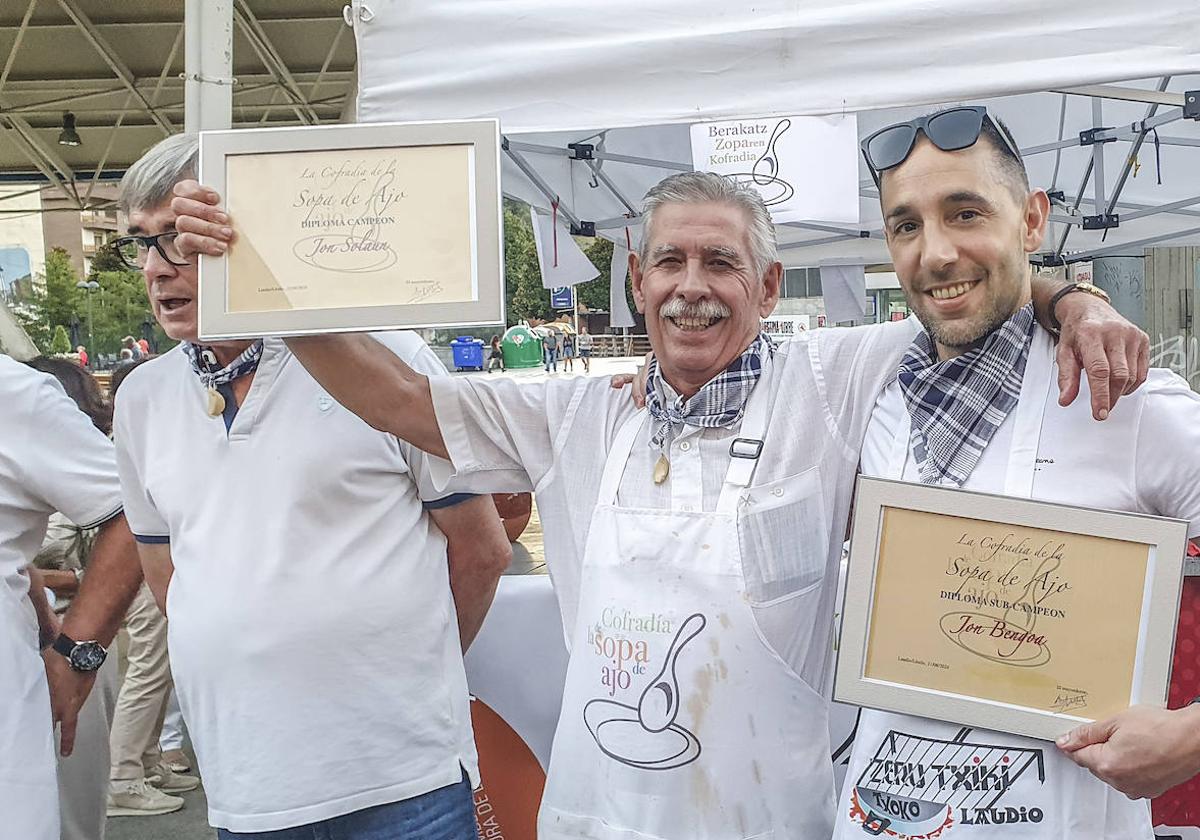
point(949, 130)
point(134, 250)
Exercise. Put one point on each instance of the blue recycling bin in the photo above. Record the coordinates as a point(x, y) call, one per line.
point(467, 353)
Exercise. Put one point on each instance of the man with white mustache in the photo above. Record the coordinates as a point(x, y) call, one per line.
point(694, 555)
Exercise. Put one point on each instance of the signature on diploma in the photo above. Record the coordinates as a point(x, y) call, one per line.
point(1068, 699)
point(424, 290)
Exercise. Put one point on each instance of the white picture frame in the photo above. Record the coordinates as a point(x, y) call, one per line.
point(354, 228)
point(865, 672)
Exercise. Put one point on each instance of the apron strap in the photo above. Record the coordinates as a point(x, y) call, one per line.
point(618, 457)
point(745, 449)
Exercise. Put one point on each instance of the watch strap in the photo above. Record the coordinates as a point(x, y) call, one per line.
point(64, 644)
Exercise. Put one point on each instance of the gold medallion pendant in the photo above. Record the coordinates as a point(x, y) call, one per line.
point(662, 469)
point(216, 403)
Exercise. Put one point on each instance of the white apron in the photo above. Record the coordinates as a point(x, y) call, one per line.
point(678, 722)
point(910, 777)
point(28, 781)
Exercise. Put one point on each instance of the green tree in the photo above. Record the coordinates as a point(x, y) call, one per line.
point(525, 296)
point(106, 259)
point(60, 344)
point(52, 301)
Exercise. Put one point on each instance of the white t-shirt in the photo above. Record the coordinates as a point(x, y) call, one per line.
point(312, 631)
point(553, 437)
point(1145, 457)
point(51, 459)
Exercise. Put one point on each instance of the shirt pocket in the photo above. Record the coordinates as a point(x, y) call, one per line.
point(783, 536)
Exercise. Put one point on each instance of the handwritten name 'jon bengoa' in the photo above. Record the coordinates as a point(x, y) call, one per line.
point(999, 630)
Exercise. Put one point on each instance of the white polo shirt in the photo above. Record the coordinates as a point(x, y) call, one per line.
point(51, 459)
point(312, 631)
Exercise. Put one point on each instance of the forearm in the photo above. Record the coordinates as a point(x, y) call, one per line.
point(47, 620)
point(114, 575)
point(60, 582)
point(369, 380)
point(1043, 289)
point(473, 589)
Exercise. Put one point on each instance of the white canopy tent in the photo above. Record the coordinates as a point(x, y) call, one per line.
point(596, 104)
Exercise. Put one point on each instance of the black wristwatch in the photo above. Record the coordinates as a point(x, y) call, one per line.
point(82, 656)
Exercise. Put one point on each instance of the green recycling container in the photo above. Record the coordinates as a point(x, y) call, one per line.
point(521, 348)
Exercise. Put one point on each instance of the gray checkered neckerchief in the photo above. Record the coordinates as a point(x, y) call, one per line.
point(206, 366)
point(957, 405)
point(720, 402)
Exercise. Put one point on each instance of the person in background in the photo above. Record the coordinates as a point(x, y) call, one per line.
point(61, 562)
point(133, 347)
point(584, 343)
point(141, 782)
point(83, 355)
point(495, 355)
point(144, 346)
point(54, 459)
point(568, 350)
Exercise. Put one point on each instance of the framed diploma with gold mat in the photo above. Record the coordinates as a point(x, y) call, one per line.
point(354, 227)
point(1004, 613)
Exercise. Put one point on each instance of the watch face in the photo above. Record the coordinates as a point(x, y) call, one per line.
point(87, 656)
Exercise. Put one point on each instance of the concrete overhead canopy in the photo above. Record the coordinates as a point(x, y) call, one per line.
point(628, 78)
point(118, 67)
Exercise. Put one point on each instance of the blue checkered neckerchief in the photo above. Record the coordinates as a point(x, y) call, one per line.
point(206, 365)
point(720, 402)
point(957, 405)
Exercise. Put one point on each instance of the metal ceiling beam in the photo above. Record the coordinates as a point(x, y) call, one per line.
point(42, 85)
point(12, 53)
point(71, 7)
point(337, 39)
point(272, 60)
point(25, 140)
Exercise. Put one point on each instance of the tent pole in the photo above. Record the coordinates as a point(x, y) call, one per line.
point(542, 186)
point(1136, 244)
point(1134, 149)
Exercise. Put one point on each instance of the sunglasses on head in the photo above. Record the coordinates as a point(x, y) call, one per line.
point(949, 130)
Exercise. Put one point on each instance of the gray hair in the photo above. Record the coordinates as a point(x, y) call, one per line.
point(152, 178)
point(703, 187)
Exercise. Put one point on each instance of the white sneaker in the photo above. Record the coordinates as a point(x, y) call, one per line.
point(138, 799)
point(164, 778)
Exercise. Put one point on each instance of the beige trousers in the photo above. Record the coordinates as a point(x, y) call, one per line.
point(143, 698)
point(83, 776)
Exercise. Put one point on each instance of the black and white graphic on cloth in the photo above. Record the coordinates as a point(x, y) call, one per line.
point(646, 736)
point(916, 788)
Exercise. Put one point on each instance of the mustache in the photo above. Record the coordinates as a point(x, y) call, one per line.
point(701, 310)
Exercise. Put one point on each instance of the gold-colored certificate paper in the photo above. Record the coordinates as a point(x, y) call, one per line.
point(354, 227)
point(1037, 618)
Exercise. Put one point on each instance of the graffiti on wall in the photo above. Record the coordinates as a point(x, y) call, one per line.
point(1179, 353)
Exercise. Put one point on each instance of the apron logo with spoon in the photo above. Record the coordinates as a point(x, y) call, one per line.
point(647, 735)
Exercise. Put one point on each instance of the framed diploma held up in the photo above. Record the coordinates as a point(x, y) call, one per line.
point(354, 227)
point(1002, 613)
